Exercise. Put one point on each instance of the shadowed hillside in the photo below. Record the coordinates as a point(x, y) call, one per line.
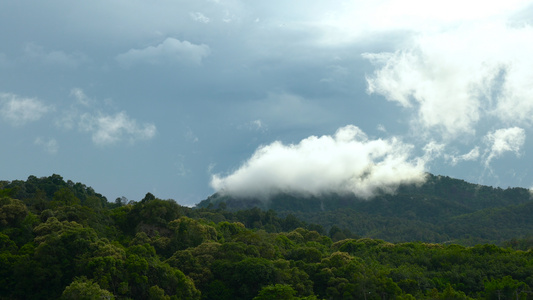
point(440, 210)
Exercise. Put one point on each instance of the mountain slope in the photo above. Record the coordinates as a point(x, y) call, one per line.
point(442, 209)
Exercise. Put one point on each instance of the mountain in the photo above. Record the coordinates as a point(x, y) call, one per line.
point(443, 209)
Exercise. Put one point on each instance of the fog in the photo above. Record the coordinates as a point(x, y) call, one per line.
point(346, 162)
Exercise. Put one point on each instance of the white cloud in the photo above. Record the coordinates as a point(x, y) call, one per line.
point(171, 50)
point(470, 156)
point(504, 140)
point(17, 110)
point(360, 21)
point(87, 115)
point(416, 14)
point(110, 129)
point(347, 162)
point(433, 150)
point(80, 96)
point(49, 145)
point(454, 79)
point(257, 125)
point(381, 128)
point(70, 116)
point(199, 17)
point(55, 57)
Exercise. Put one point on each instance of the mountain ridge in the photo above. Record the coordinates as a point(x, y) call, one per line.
point(441, 209)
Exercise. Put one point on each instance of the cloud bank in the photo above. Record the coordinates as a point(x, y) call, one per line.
point(347, 162)
point(456, 78)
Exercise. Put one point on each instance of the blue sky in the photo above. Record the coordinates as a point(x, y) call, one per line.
point(185, 98)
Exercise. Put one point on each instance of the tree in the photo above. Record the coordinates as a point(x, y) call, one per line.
point(505, 288)
point(336, 234)
point(190, 233)
point(148, 197)
point(157, 293)
point(12, 212)
point(84, 289)
point(65, 197)
point(276, 292)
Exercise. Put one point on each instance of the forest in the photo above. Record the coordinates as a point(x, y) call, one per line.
point(442, 210)
point(63, 240)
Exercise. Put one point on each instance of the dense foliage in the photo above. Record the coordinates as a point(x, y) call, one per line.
point(441, 210)
point(62, 240)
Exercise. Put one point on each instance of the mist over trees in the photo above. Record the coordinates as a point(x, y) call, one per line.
point(319, 164)
point(443, 209)
point(60, 239)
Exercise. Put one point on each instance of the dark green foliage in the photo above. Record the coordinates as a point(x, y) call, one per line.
point(441, 210)
point(37, 193)
point(149, 215)
point(506, 288)
point(61, 240)
point(520, 244)
point(12, 212)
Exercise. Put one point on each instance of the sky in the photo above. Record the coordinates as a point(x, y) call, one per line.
point(183, 99)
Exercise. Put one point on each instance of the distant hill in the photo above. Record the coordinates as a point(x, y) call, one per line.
point(443, 209)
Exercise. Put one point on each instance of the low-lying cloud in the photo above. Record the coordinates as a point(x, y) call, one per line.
point(347, 162)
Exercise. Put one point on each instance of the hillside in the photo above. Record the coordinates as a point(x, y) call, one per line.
point(62, 240)
point(443, 209)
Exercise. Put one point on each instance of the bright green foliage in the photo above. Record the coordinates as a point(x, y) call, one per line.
point(83, 289)
point(157, 293)
point(277, 291)
point(196, 262)
point(12, 212)
point(227, 230)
